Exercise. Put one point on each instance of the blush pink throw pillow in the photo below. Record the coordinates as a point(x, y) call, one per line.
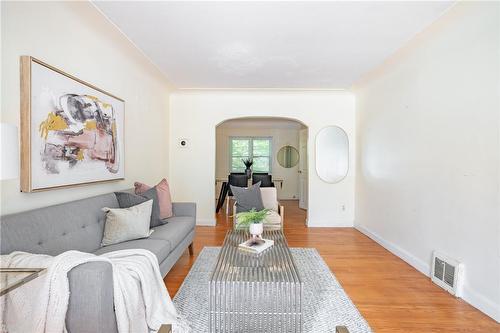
point(164, 198)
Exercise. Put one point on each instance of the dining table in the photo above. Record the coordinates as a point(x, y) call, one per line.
point(222, 186)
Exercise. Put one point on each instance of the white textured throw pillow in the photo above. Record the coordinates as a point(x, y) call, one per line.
point(124, 224)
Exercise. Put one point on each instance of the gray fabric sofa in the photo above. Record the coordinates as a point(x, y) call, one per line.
point(79, 225)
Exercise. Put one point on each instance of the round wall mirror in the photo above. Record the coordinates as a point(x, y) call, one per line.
point(332, 154)
point(288, 156)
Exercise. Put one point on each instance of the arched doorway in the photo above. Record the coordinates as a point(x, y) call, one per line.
point(277, 146)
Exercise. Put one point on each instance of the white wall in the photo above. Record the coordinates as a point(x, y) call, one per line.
point(428, 149)
point(280, 137)
point(76, 38)
point(195, 114)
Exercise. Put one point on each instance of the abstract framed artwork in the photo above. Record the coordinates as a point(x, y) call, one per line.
point(71, 131)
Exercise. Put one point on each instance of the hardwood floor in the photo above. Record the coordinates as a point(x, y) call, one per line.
point(390, 294)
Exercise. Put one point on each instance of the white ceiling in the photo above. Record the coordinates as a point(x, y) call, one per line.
point(246, 44)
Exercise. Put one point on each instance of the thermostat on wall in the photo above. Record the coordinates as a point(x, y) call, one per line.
point(183, 143)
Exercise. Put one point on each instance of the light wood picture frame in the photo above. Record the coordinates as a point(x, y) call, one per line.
point(72, 133)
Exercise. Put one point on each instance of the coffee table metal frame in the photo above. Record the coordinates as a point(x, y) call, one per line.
point(255, 292)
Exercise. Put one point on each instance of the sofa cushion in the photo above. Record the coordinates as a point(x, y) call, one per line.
point(127, 200)
point(164, 197)
point(76, 225)
point(269, 198)
point(247, 198)
point(177, 228)
point(159, 247)
point(272, 219)
point(123, 224)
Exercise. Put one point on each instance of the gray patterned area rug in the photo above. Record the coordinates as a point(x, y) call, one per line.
point(326, 304)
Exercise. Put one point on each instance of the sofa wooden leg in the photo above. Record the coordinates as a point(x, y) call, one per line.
point(190, 247)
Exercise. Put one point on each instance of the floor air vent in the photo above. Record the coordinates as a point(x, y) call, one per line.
point(447, 273)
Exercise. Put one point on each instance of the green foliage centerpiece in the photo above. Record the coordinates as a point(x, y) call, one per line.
point(244, 219)
point(252, 220)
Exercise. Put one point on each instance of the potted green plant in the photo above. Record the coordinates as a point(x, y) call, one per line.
point(248, 164)
point(253, 220)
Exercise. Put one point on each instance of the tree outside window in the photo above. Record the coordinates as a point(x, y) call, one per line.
point(256, 148)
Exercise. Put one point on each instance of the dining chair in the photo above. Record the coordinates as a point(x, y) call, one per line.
point(264, 179)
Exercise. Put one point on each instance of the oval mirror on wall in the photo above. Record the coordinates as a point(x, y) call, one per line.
point(288, 156)
point(332, 154)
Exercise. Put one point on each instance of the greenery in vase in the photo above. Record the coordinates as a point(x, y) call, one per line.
point(244, 219)
point(248, 162)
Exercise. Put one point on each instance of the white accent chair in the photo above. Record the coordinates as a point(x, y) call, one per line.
point(276, 215)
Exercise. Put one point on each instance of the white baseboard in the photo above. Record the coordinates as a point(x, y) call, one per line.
point(206, 222)
point(311, 223)
point(420, 265)
point(481, 303)
point(470, 296)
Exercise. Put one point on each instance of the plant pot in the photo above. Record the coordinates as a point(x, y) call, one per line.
point(256, 229)
point(248, 172)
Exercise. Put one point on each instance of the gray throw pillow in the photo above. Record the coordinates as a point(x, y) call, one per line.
point(247, 198)
point(126, 200)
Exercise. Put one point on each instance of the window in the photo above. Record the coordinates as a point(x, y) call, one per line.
point(258, 149)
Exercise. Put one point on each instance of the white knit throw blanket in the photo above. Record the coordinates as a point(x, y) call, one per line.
point(141, 300)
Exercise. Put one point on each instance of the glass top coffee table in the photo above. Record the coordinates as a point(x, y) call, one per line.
point(12, 278)
point(255, 292)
